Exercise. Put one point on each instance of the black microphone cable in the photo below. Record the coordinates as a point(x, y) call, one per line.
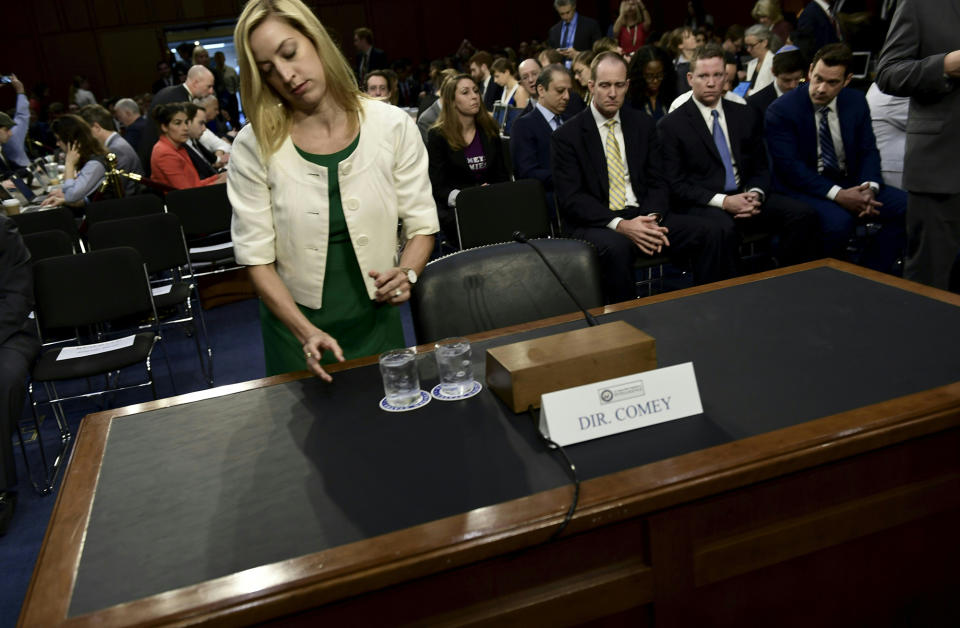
point(522, 239)
point(572, 468)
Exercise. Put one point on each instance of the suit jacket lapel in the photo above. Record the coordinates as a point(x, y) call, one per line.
point(846, 130)
point(733, 130)
point(808, 126)
point(595, 154)
point(700, 128)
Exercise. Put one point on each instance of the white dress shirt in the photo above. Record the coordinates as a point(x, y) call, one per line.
point(553, 119)
point(834, 123)
point(707, 114)
point(601, 120)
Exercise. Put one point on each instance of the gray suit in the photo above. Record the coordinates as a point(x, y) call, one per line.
point(911, 64)
point(127, 160)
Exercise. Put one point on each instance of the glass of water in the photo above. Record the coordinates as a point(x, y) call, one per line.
point(454, 366)
point(401, 383)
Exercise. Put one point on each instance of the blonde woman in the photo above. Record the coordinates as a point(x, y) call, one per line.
point(318, 181)
point(768, 13)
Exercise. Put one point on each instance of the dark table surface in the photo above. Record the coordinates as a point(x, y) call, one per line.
point(205, 489)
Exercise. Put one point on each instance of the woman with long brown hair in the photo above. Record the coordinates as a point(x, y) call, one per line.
point(84, 163)
point(464, 148)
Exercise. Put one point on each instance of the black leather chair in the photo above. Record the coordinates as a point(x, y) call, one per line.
point(58, 218)
point(205, 214)
point(126, 207)
point(500, 285)
point(44, 244)
point(490, 214)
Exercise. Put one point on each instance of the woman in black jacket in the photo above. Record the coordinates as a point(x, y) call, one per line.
point(464, 148)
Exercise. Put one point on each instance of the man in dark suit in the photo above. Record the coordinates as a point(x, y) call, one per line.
point(166, 77)
point(574, 32)
point(199, 83)
point(127, 112)
point(788, 69)
point(480, 64)
point(368, 57)
point(530, 139)
point(18, 348)
point(715, 164)
point(824, 154)
point(921, 59)
point(816, 27)
point(610, 190)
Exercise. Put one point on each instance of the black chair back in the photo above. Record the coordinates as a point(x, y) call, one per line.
point(44, 244)
point(490, 214)
point(504, 284)
point(202, 210)
point(58, 218)
point(81, 290)
point(157, 237)
point(126, 207)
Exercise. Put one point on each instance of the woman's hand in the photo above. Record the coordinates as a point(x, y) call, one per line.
point(392, 285)
point(73, 156)
point(313, 348)
point(54, 199)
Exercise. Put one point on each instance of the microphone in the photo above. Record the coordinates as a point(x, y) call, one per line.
point(522, 239)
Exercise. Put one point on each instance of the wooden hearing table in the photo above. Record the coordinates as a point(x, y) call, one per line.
point(820, 486)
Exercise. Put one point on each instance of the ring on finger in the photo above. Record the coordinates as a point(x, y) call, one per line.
point(397, 292)
point(308, 355)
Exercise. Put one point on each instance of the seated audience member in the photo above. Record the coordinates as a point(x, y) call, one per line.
point(716, 166)
point(127, 112)
point(377, 85)
point(653, 83)
point(166, 78)
point(18, 348)
point(432, 113)
point(530, 139)
point(574, 32)
point(480, 64)
point(529, 71)
point(13, 132)
point(768, 13)
point(505, 74)
point(825, 155)
point(101, 126)
point(889, 115)
point(464, 148)
point(632, 26)
point(788, 70)
point(549, 56)
point(606, 44)
point(208, 152)
point(84, 164)
point(216, 121)
point(80, 93)
point(170, 162)
point(393, 82)
point(684, 41)
point(610, 190)
point(760, 68)
point(581, 75)
point(728, 95)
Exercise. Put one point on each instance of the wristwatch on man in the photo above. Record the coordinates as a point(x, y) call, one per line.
point(411, 274)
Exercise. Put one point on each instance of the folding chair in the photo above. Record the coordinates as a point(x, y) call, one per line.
point(490, 214)
point(58, 218)
point(205, 214)
point(44, 244)
point(160, 240)
point(126, 207)
point(500, 285)
point(86, 292)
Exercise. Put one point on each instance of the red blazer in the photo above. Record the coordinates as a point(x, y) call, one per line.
point(171, 165)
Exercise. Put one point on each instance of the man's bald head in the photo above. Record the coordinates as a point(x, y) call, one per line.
point(199, 81)
point(528, 72)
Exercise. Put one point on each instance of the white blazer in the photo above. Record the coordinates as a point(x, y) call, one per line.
point(765, 77)
point(280, 207)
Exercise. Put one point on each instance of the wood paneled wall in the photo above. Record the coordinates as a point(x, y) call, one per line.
point(116, 43)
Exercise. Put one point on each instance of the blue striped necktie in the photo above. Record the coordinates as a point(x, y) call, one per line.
point(729, 180)
point(828, 152)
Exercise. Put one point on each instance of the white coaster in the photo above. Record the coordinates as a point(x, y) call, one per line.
point(473, 391)
point(419, 403)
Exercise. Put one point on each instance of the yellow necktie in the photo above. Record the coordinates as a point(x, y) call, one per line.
point(615, 170)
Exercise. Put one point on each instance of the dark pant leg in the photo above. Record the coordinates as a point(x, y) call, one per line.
point(933, 234)
point(836, 224)
point(617, 254)
point(890, 242)
point(795, 223)
point(13, 377)
point(707, 237)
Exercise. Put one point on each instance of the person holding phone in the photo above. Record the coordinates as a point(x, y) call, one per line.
point(574, 32)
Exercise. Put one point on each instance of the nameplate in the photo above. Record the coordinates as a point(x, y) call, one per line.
point(619, 405)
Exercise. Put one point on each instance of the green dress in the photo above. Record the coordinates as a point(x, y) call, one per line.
point(361, 326)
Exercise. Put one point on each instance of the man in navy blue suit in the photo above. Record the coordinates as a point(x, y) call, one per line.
point(530, 139)
point(610, 190)
point(816, 27)
point(825, 154)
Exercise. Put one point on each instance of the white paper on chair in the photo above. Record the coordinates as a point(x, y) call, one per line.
point(162, 290)
point(214, 247)
point(68, 353)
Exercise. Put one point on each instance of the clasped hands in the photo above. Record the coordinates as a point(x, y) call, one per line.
point(743, 205)
point(859, 201)
point(644, 231)
point(392, 285)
